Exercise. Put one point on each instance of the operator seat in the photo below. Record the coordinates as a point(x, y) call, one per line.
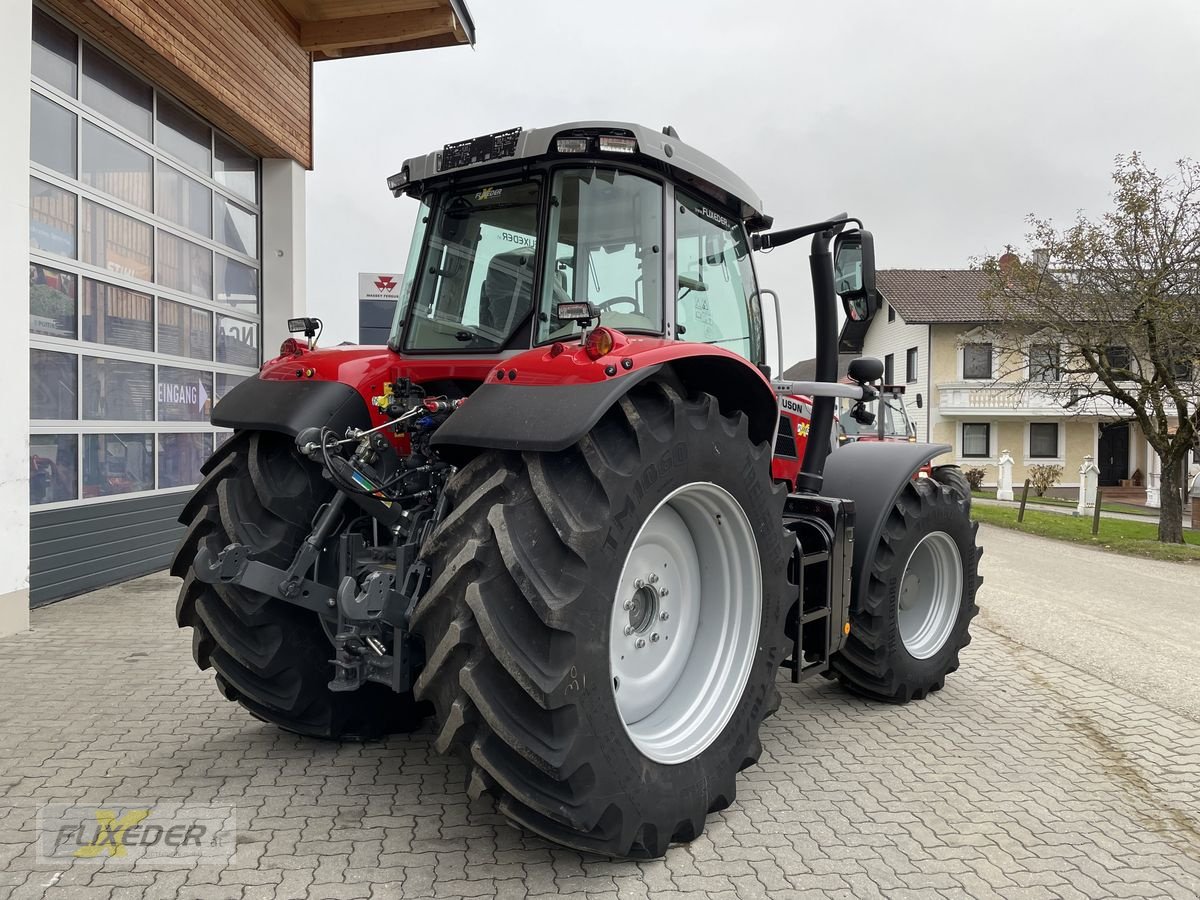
point(507, 293)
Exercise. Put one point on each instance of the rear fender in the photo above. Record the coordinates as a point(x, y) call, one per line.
point(545, 400)
point(872, 475)
point(258, 404)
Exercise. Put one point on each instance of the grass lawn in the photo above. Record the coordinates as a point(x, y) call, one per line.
point(1117, 535)
point(1129, 508)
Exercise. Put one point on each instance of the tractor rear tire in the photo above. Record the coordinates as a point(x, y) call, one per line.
point(271, 657)
point(953, 478)
point(563, 584)
point(907, 632)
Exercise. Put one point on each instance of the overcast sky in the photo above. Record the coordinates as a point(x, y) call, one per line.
point(940, 124)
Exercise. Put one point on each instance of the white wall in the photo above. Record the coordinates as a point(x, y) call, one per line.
point(884, 337)
point(283, 262)
point(14, 340)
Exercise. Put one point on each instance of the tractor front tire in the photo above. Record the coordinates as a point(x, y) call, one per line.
point(906, 633)
point(605, 623)
point(271, 657)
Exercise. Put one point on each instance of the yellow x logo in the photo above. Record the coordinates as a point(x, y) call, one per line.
point(110, 833)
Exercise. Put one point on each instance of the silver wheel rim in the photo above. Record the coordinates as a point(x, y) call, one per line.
point(930, 594)
point(684, 626)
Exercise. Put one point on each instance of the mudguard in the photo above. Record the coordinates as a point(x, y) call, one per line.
point(542, 418)
point(259, 404)
point(872, 475)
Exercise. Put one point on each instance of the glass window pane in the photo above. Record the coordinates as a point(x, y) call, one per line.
point(117, 390)
point(116, 242)
point(115, 92)
point(184, 201)
point(184, 266)
point(975, 438)
point(51, 135)
point(237, 284)
point(52, 301)
point(236, 228)
point(180, 457)
point(1043, 440)
point(225, 383)
point(51, 218)
point(54, 52)
point(117, 316)
point(236, 170)
point(184, 330)
point(116, 167)
point(184, 395)
point(53, 468)
point(117, 464)
point(477, 289)
point(184, 136)
point(715, 285)
point(606, 231)
point(53, 385)
point(977, 361)
point(237, 342)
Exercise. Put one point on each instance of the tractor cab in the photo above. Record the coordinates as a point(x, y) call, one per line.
point(652, 234)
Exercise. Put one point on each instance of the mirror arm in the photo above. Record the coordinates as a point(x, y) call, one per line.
point(772, 239)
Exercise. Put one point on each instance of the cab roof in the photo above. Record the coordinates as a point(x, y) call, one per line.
point(661, 149)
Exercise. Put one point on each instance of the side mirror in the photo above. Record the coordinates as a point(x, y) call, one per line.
point(865, 370)
point(854, 274)
point(920, 403)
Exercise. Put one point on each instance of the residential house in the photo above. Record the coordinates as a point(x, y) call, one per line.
point(936, 336)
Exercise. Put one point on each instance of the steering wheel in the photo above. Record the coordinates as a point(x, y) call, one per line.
point(613, 301)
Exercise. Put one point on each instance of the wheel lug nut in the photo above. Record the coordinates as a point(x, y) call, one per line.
point(663, 592)
point(665, 615)
point(654, 579)
point(628, 605)
point(640, 643)
point(628, 629)
point(654, 637)
point(639, 584)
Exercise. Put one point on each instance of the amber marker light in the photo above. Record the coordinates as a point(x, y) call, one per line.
point(599, 342)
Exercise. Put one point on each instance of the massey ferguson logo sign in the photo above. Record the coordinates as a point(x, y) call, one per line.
point(379, 285)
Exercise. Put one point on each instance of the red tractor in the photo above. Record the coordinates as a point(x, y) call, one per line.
point(545, 513)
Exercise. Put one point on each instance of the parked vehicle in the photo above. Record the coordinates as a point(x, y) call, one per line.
point(547, 508)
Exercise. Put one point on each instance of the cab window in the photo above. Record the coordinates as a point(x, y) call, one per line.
point(606, 228)
point(476, 285)
point(715, 301)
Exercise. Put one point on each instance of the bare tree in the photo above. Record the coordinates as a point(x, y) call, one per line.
point(1105, 314)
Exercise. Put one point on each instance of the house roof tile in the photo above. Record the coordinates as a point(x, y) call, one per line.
point(928, 296)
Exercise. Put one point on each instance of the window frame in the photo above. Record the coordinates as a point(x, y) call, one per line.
point(1059, 442)
point(911, 365)
point(991, 357)
point(671, 280)
point(962, 441)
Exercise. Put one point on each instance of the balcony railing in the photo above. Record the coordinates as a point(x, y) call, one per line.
point(974, 398)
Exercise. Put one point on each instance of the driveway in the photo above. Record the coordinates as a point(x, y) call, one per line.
point(1027, 777)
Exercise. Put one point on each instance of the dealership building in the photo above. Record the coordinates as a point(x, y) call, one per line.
point(157, 228)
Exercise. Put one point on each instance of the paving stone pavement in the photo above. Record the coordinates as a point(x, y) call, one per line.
point(1024, 778)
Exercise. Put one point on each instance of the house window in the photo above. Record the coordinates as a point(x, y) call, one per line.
point(1044, 363)
point(1043, 440)
point(910, 366)
point(976, 440)
point(1117, 357)
point(977, 361)
point(891, 313)
point(889, 368)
